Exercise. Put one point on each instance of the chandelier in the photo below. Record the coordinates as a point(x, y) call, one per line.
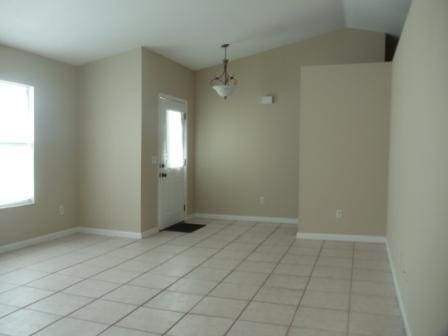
point(224, 84)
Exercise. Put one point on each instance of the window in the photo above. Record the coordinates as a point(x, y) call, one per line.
point(175, 139)
point(16, 144)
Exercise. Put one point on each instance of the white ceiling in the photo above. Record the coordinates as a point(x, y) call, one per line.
point(186, 31)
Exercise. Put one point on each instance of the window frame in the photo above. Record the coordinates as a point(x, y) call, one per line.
point(31, 104)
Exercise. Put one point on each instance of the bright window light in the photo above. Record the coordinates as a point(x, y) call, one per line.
point(16, 144)
point(175, 136)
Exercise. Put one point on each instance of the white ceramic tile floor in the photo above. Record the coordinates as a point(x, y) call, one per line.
point(228, 278)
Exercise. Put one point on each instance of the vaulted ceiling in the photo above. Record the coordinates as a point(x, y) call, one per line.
point(186, 31)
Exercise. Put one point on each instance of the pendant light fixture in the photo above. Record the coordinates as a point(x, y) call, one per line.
point(224, 84)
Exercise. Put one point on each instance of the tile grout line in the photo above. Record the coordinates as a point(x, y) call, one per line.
point(26, 285)
point(305, 288)
point(261, 286)
point(167, 242)
point(222, 280)
point(121, 284)
point(129, 281)
point(182, 277)
point(105, 239)
point(350, 290)
point(209, 235)
point(47, 260)
point(263, 283)
point(84, 279)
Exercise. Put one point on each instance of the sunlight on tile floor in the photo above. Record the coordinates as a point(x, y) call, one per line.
point(228, 278)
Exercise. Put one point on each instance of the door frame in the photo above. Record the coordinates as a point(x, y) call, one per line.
point(163, 96)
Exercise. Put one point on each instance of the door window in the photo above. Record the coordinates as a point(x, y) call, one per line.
point(174, 139)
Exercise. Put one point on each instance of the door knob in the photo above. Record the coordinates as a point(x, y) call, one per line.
point(162, 175)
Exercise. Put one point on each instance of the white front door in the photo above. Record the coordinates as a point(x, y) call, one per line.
point(173, 159)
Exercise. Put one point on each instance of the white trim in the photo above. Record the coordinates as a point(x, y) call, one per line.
point(281, 220)
point(78, 229)
point(150, 232)
point(341, 237)
point(398, 292)
point(110, 233)
point(37, 240)
point(170, 97)
point(18, 204)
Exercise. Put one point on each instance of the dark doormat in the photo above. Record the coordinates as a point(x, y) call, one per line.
point(184, 227)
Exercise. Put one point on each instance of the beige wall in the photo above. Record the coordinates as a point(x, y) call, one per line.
point(55, 145)
point(110, 142)
point(418, 180)
point(245, 150)
point(343, 146)
point(95, 138)
point(117, 134)
point(161, 75)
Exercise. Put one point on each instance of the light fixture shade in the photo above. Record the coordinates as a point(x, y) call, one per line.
point(224, 90)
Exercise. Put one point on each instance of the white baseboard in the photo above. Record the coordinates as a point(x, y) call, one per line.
point(280, 220)
point(398, 292)
point(78, 229)
point(110, 233)
point(341, 237)
point(37, 240)
point(149, 232)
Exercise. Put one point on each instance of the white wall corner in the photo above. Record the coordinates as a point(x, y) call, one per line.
point(278, 220)
point(404, 316)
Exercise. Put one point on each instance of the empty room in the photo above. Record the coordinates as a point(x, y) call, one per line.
point(224, 168)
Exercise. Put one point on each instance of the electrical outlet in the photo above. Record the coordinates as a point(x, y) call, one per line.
point(261, 200)
point(61, 210)
point(339, 213)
